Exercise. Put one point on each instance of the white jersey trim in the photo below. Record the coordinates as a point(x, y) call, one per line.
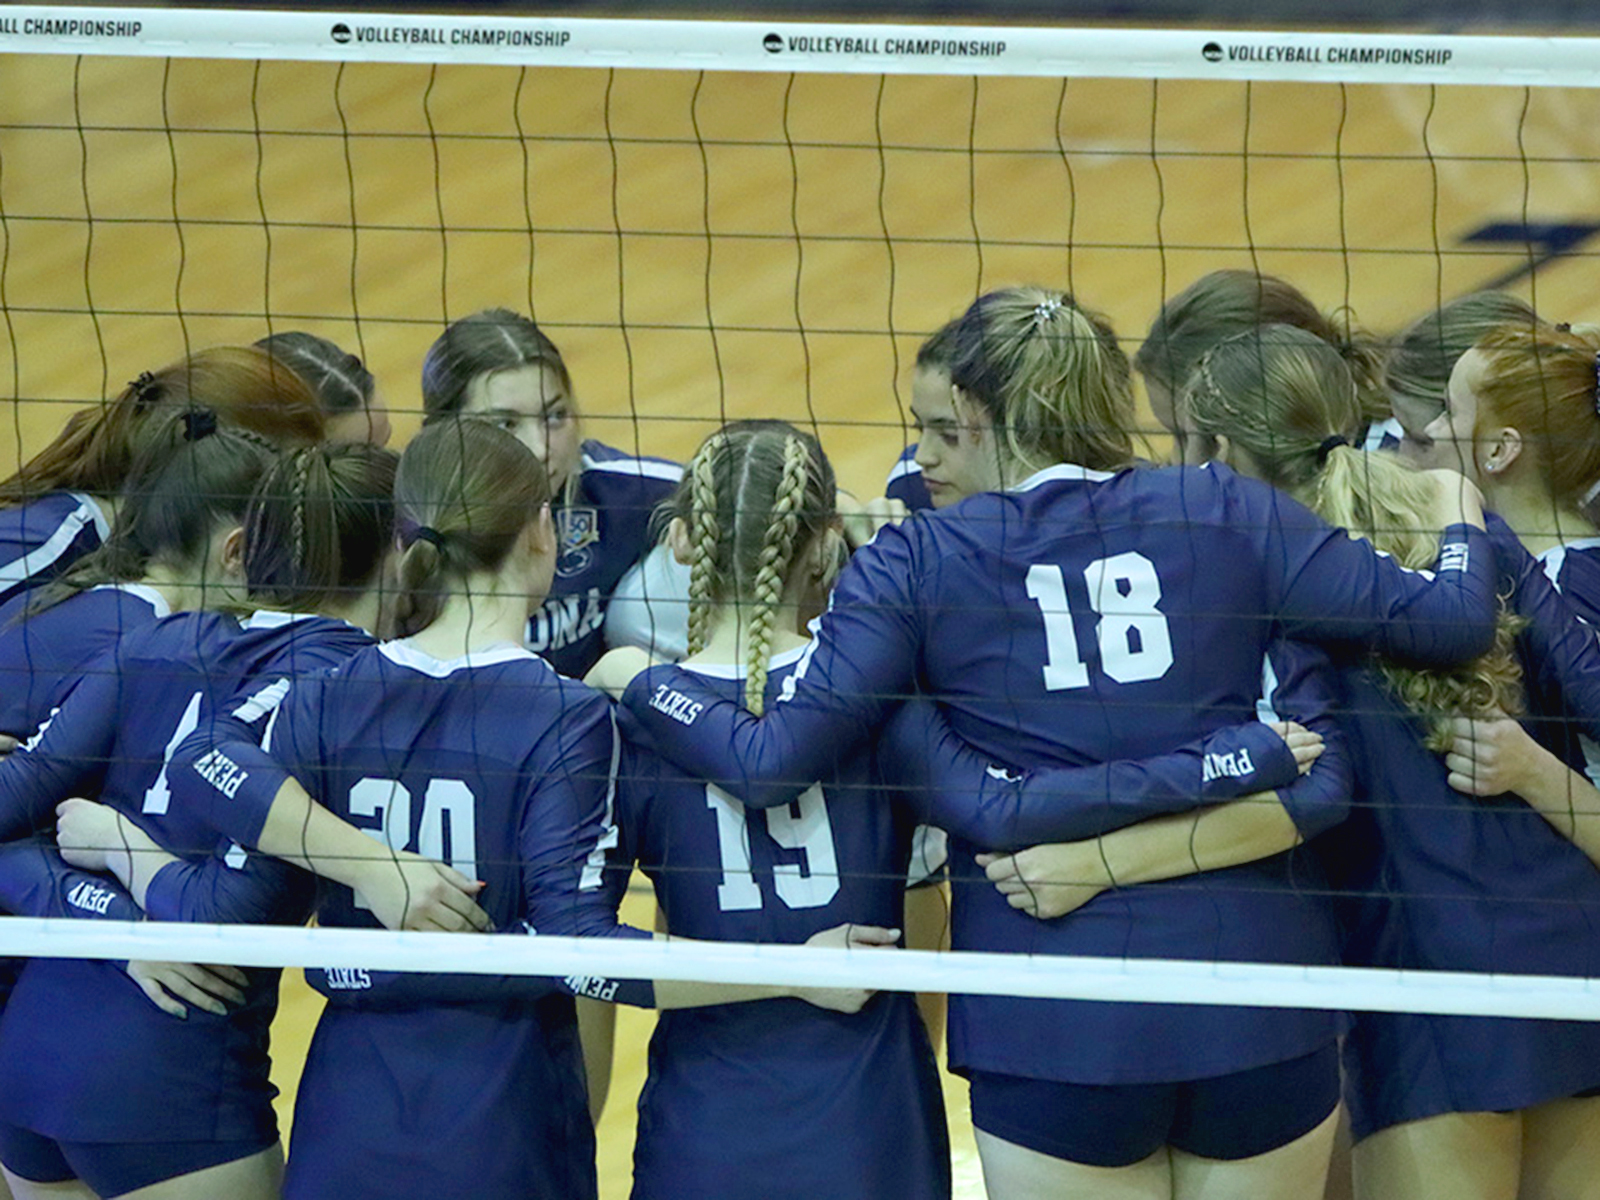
point(650, 468)
point(402, 653)
point(902, 468)
point(737, 670)
point(49, 552)
point(1378, 430)
point(266, 618)
point(102, 523)
point(1555, 558)
point(1061, 473)
point(594, 866)
point(143, 591)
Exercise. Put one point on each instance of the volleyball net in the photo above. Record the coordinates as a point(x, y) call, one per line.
point(718, 220)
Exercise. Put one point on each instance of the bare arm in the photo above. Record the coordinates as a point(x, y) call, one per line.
point(1055, 879)
point(1493, 756)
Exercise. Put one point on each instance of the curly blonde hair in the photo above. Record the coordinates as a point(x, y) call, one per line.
point(1287, 398)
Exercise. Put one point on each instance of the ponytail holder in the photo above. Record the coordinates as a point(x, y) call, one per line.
point(1328, 445)
point(1045, 311)
point(198, 423)
point(143, 390)
point(426, 533)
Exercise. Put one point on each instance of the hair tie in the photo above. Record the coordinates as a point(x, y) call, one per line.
point(198, 423)
point(426, 533)
point(1328, 445)
point(1045, 311)
point(143, 390)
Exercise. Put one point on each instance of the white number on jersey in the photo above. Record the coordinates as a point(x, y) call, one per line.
point(446, 833)
point(808, 830)
point(159, 794)
point(1134, 640)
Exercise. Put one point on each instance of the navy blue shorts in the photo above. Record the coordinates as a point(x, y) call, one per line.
point(1227, 1117)
point(113, 1168)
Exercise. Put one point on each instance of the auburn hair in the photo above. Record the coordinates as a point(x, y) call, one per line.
point(246, 387)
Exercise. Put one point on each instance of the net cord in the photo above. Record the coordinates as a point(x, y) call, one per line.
point(788, 46)
point(1161, 981)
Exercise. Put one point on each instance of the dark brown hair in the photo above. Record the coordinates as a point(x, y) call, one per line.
point(340, 380)
point(319, 526)
point(485, 343)
point(244, 386)
point(464, 493)
point(189, 478)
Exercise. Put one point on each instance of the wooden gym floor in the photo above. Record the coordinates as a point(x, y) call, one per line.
point(726, 245)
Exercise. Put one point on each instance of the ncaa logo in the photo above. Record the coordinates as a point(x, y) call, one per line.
point(341, 33)
point(1212, 52)
point(773, 43)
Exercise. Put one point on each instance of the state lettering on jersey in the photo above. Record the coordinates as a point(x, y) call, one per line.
point(221, 772)
point(675, 704)
point(577, 529)
point(91, 898)
point(347, 979)
point(1453, 557)
point(593, 986)
point(1235, 764)
point(564, 620)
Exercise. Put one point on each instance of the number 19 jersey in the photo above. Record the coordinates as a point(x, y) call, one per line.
point(779, 1098)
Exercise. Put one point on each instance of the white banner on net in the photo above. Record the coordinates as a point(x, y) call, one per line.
point(786, 46)
point(1160, 981)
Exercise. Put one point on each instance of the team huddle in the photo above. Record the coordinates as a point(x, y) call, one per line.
point(1294, 698)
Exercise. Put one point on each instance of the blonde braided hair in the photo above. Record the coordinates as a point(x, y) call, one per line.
point(754, 495)
point(777, 552)
point(703, 537)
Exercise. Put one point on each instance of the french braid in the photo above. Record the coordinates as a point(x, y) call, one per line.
point(777, 552)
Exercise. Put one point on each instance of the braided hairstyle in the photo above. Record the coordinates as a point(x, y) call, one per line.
point(1225, 303)
point(464, 493)
point(319, 526)
point(340, 379)
point(1288, 399)
point(754, 496)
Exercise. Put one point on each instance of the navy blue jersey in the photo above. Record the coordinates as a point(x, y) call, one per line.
point(905, 481)
point(200, 1079)
point(42, 655)
point(503, 768)
point(865, 1084)
point(1434, 879)
point(42, 538)
point(1080, 619)
point(601, 534)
